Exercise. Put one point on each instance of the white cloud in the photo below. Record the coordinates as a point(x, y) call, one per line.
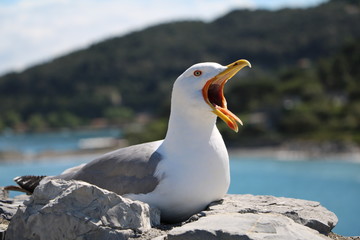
point(276, 4)
point(35, 31)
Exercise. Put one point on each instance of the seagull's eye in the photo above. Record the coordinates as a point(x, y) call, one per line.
point(197, 73)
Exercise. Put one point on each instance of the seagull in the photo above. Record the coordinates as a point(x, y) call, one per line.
point(182, 174)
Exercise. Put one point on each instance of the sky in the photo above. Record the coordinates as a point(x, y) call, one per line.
point(36, 31)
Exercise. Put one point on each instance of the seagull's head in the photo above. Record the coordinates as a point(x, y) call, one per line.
point(201, 87)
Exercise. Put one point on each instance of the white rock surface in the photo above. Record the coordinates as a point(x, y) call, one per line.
point(249, 217)
point(307, 213)
point(244, 226)
point(77, 210)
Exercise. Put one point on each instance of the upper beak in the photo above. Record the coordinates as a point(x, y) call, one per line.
point(213, 93)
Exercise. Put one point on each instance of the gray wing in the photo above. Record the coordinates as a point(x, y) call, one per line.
point(127, 170)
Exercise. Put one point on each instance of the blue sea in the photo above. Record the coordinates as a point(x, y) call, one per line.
point(333, 183)
point(63, 141)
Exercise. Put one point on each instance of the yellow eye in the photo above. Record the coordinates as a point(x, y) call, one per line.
point(197, 73)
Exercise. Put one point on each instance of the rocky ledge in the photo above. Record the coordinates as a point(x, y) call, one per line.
point(77, 210)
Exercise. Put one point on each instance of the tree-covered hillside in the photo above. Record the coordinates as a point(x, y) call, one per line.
point(294, 53)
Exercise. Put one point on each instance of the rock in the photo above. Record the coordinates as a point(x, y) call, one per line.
point(8, 208)
point(252, 218)
point(62, 209)
point(307, 213)
point(244, 226)
point(3, 226)
point(3, 194)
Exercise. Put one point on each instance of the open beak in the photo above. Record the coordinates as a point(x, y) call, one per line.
point(213, 93)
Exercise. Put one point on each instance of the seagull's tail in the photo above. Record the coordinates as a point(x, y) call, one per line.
point(26, 184)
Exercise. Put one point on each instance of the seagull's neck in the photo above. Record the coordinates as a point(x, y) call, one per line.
point(190, 128)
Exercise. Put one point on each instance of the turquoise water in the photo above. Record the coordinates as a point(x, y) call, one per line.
point(336, 184)
point(66, 140)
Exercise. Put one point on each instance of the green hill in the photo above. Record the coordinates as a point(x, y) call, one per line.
point(120, 77)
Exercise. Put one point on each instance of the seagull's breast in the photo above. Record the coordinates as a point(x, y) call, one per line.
point(190, 179)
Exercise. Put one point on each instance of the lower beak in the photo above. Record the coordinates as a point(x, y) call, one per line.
point(213, 93)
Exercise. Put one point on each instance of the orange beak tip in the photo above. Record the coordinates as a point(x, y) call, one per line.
point(233, 126)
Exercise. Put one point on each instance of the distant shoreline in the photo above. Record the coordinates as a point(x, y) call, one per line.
point(301, 150)
point(280, 153)
point(6, 157)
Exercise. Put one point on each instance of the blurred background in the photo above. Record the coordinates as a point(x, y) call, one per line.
point(78, 78)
